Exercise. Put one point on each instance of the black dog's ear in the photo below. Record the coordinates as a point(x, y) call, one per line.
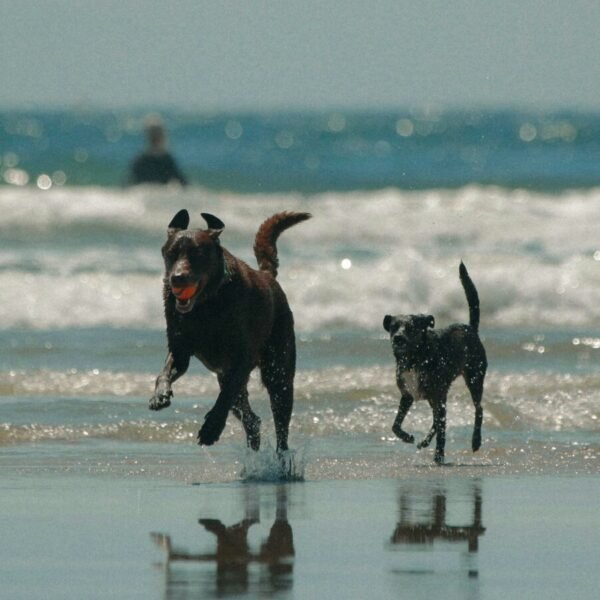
point(215, 225)
point(180, 221)
point(387, 322)
point(424, 321)
point(427, 321)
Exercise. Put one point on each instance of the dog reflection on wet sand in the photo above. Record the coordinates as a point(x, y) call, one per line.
point(419, 527)
point(233, 555)
point(435, 527)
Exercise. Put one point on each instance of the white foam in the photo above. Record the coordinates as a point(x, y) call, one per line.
point(74, 257)
point(267, 465)
point(45, 301)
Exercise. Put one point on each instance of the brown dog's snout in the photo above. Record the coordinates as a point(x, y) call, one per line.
point(179, 279)
point(180, 273)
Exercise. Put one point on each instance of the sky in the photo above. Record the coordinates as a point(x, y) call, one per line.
point(311, 54)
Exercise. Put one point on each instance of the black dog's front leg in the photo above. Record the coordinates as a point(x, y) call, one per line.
point(405, 404)
point(439, 422)
point(232, 385)
point(427, 440)
point(174, 368)
point(438, 407)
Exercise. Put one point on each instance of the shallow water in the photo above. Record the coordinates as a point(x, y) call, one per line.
point(472, 537)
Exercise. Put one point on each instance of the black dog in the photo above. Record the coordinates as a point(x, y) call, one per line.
point(232, 318)
point(427, 362)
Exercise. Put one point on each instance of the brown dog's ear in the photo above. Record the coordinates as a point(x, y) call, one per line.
point(180, 221)
point(215, 225)
point(387, 322)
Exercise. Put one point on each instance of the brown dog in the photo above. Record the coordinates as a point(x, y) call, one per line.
point(231, 317)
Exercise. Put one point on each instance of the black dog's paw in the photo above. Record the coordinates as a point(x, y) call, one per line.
point(476, 443)
point(405, 437)
point(210, 432)
point(160, 400)
point(439, 458)
point(423, 444)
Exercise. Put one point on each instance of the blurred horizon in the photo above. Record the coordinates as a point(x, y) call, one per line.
point(324, 55)
point(424, 110)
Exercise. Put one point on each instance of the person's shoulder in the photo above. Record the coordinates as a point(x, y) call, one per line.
point(140, 158)
point(167, 157)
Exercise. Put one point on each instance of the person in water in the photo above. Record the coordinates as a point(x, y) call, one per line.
point(155, 164)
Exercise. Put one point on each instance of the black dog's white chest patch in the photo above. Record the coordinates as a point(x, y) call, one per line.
point(410, 380)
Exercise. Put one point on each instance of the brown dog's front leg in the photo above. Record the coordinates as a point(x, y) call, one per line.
point(250, 421)
point(232, 385)
point(172, 371)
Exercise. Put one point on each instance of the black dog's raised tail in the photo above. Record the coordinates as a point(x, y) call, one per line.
point(472, 296)
point(265, 249)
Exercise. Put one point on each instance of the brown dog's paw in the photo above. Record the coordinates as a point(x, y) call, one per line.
point(210, 432)
point(252, 427)
point(160, 401)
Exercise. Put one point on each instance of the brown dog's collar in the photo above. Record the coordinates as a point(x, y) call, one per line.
point(226, 277)
point(226, 274)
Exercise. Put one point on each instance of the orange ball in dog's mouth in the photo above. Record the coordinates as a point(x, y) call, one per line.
point(184, 293)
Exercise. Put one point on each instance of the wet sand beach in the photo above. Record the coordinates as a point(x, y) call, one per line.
point(439, 532)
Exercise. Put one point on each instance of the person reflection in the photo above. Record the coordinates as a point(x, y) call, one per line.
point(155, 164)
point(423, 527)
point(233, 555)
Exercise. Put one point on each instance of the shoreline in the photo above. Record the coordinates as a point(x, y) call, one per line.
point(364, 457)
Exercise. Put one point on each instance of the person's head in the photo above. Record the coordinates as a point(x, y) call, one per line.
point(156, 135)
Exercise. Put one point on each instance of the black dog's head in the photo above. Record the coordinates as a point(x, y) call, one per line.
point(408, 334)
point(194, 262)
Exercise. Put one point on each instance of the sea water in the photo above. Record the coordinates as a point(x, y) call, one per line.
point(102, 497)
point(83, 333)
point(310, 152)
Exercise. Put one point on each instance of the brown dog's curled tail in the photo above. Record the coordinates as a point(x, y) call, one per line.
point(472, 296)
point(265, 249)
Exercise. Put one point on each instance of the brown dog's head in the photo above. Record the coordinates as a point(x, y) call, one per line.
point(408, 334)
point(194, 262)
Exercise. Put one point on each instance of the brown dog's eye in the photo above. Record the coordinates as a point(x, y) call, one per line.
point(198, 254)
point(169, 254)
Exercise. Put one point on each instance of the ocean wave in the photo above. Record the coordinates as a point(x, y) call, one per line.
point(91, 257)
point(326, 295)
